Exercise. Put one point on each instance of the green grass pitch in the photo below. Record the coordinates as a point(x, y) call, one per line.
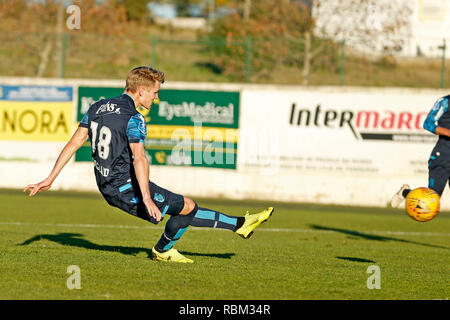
point(304, 251)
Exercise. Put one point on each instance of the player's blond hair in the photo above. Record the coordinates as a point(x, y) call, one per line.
point(143, 76)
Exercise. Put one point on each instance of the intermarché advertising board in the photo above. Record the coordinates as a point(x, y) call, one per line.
point(35, 113)
point(186, 128)
point(349, 133)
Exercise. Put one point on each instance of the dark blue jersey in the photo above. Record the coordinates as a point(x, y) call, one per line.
point(439, 115)
point(113, 124)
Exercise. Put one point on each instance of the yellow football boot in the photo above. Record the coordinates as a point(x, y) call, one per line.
point(171, 255)
point(252, 221)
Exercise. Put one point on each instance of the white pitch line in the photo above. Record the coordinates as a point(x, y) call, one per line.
point(115, 226)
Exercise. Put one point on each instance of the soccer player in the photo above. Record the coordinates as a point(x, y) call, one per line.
point(437, 122)
point(117, 133)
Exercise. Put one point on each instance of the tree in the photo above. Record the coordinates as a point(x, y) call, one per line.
point(247, 9)
point(136, 9)
point(277, 30)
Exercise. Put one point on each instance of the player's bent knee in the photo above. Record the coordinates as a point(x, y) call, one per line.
point(189, 205)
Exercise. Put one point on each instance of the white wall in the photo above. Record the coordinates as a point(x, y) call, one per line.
point(279, 160)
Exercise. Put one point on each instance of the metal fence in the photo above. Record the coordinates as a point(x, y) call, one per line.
point(248, 59)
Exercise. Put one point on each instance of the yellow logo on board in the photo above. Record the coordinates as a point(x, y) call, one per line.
point(160, 157)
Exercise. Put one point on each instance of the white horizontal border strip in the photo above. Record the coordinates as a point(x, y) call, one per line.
point(114, 226)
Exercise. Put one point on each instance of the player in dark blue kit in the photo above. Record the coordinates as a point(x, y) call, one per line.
point(117, 132)
point(437, 122)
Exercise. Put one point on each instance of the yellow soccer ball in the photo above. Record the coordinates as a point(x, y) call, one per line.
point(422, 204)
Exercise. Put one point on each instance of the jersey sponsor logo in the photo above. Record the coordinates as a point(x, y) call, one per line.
point(108, 107)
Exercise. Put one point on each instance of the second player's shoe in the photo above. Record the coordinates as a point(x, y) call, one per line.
point(171, 255)
point(398, 197)
point(252, 221)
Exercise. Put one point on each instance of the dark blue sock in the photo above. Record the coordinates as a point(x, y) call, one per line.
point(175, 228)
point(215, 219)
point(405, 192)
point(198, 217)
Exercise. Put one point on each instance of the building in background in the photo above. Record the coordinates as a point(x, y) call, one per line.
point(192, 16)
point(430, 25)
point(403, 27)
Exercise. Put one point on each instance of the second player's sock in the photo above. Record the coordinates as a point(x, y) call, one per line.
point(405, 192)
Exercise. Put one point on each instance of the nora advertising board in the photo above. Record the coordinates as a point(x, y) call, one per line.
point(186, 127)
point(35, 113)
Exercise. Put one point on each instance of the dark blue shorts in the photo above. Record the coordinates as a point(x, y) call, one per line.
point(129, 199)
point(438, 171)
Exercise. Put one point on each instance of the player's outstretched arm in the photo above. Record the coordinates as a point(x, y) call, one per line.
point(78, 139)
point(142, 170)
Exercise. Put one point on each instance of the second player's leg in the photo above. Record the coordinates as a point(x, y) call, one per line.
point(438, 175)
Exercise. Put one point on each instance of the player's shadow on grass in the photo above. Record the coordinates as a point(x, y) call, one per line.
point(76, 240)
point(215, 255)
point(375, 237)
point(356, 259)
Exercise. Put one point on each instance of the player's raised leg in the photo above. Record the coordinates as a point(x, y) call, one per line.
point(243, 226)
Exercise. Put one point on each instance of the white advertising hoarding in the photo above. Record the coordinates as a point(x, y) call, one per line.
point(336, 145)
point(327, 145)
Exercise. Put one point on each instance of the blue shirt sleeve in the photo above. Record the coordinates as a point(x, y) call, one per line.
point(137, 129)
point(84, 122)
point(439, 108)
